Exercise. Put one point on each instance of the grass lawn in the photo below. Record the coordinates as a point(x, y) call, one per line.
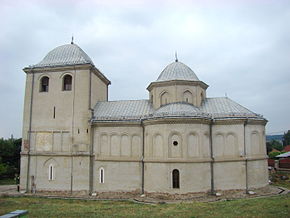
point(278, 206)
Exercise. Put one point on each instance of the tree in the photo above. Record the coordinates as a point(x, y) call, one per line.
point(10, 157)
point(286, 138)
point(274, 144)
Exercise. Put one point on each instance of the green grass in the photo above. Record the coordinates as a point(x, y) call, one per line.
point(7, 182)
point(278, 206)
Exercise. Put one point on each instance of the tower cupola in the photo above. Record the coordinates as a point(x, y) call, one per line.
point(177, 83)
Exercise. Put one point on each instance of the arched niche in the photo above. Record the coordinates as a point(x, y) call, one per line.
point(125, 145)
point(104, 145)
point(231, 145)
point(115, 145)
point(157, 146)
point(193, 145)
point(255, 142)
point(164, 98)
point(187, 97)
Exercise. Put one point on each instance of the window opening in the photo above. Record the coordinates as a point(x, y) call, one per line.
point(53, 112)
point(175, 143)
point(102, 175)
point(44, 83)
point(175, 178)
point(50, 172)
point(67, 82)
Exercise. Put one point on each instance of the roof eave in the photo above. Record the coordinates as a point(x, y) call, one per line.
point(176, 82)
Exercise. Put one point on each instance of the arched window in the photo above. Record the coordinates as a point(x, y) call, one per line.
point(44, 83)
point(67, 82)
point(164, 98)
point(102, 175)
point(50, 172)
point(187, 97)
point(175, 178)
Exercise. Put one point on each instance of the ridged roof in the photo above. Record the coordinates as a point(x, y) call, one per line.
point(128, 110)
point(212, 108)
point(69, 54)
point(177, 71)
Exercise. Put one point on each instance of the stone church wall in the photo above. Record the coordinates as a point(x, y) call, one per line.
point(194, 177)
point(118, 151)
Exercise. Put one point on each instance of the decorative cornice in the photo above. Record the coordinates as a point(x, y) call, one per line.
point(60, 154)
point(116, 123)
point(99, 74)
point(177, 160)
point(58, 68)
point(178, 120)
point(118, 159)
point(229, 121)
point(257, 122)
point(91, 67)
point(177, 82)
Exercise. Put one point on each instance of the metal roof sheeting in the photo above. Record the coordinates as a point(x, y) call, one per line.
point(69, 54)
point(214, 108)
point(177, 71)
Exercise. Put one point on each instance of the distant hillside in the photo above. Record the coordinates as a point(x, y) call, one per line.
point(274, 137)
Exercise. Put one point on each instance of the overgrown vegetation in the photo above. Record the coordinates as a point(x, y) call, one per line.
point(286, 138)
point(280, 178)
point(275, 147)
point(9, 157)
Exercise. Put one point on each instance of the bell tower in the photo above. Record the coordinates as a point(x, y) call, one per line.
point(61, 91)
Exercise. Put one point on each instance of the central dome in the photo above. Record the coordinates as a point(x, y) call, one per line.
point(69, 54)
point(177, 71)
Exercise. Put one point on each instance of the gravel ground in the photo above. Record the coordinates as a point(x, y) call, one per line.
point(11, 190)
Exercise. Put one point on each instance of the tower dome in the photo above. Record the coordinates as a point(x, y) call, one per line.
point(69, 54)
point(177, 71)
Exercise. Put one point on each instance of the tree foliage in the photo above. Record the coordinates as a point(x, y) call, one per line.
point(274, 144)
point(272, 155)
point(9, 157)
point(286, 138)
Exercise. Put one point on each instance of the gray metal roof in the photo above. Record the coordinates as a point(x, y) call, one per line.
point(177, 71)
point(122, 110)
point(69, 54)
point(225, 107)
point(212, 108)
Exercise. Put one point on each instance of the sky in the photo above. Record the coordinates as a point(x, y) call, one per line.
point(241, 49)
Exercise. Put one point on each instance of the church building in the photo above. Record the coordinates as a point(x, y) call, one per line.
point(177, 141)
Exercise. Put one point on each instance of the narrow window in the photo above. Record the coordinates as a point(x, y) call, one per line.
point(50, 172)
point(44, 83)
point(102, 180)
point(175, 178)
point(67, 82)
point(53, 112)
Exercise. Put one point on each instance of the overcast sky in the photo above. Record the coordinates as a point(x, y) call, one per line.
point(239, 48)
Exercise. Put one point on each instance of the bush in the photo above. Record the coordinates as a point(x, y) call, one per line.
point(272, 155)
